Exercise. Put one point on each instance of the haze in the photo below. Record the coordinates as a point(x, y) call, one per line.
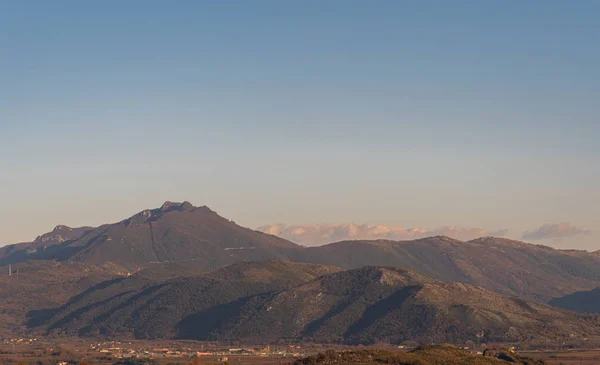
point(477, 115)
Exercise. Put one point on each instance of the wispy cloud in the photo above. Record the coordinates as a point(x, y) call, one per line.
point(556, 230)
point(318, 234)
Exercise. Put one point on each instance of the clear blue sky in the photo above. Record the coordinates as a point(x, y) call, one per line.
point(417, 113)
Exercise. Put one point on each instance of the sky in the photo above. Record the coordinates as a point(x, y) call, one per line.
point(478, 115)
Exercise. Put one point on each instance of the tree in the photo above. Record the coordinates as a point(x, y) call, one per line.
point(136, 362)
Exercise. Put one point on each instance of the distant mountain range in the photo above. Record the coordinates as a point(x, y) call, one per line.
point(167, 273)
point(180, 232)
point(319, 234)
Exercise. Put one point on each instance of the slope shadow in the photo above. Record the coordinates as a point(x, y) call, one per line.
point(582, 301)
point(199, 326)
point(313, 326)
point(131, 300)
point(380, 309)
point(39, 317)
point(78, 312)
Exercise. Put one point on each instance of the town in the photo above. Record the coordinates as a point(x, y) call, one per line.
point(76, 350)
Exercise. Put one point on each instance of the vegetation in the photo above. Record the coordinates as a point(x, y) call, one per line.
point(427, 355)
point(150, 308)
point(270, 301)
point(39, 287)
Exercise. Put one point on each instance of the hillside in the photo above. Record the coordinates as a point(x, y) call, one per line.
point(269, 301)
point(583, 301)
point(147, 307)
point(508, 267)
point(38, 286)
point(373, 304)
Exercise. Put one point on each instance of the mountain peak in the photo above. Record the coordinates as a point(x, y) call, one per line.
point(489, 240)
point(62, 233)
point(62, 227)
point(439, 239)
point(149, 215)
point(170, 206)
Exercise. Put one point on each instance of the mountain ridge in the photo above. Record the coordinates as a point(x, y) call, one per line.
point(198, 237)
point(363, 306)
point(319, 234)
point(173, 232)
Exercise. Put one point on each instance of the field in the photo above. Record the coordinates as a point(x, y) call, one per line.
point(574, 357)
point(85, 351)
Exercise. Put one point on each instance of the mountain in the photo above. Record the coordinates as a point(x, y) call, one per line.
point(269, 301)
point(174, 232)
point(26, 250)
point(149, 308)
point(163, 273)
point(373, 304)
point(505, 266)
point(198, 239)
point(583, 301)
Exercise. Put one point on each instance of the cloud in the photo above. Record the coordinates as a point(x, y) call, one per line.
point(556, 231)
point(319, 234)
